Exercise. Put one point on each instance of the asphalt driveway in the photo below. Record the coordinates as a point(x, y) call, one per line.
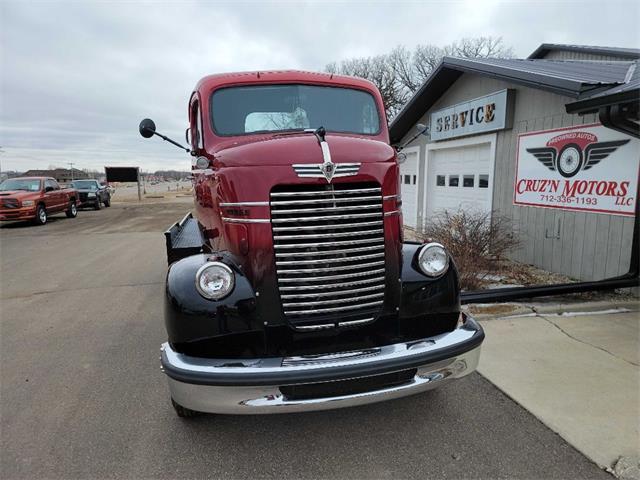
point(82, 394)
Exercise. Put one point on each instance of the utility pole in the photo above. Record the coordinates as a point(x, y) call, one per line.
point(71, 164)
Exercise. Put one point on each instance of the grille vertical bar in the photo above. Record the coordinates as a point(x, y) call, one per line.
point(329, 253)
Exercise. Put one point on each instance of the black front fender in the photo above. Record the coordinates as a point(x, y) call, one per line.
point(189, 317)
point(422, 295)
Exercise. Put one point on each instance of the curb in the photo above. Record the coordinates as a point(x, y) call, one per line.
point(488, 311)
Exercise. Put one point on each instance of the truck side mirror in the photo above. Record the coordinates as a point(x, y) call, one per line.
point(147, 128)
point(48, 189)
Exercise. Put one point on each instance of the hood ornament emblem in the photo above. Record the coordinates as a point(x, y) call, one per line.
point(327, 168)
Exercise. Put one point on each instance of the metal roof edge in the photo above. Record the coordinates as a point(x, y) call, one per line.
point(541, 81)
point(589, 105)
point(543, 49)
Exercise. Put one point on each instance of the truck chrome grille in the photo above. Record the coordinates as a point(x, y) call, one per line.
point(9, 203)
point(329, 252)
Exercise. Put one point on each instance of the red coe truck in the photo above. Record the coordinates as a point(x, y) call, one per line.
point(291, 288)
point(35, 198)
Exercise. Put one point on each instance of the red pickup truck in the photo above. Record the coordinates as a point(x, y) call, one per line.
point(35, 198)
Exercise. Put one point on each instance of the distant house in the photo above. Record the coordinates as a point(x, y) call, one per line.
point(62, 175)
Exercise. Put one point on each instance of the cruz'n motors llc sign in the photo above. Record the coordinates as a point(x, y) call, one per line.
point(587, 168)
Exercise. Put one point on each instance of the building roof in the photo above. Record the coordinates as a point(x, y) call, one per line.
point(545, 48)
point(571, 78)
point(56, 170)
point(620, 93)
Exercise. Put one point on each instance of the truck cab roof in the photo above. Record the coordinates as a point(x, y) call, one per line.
point(211, 82)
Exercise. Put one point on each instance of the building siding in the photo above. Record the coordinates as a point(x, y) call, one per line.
point(590, 246)
point(571, 55)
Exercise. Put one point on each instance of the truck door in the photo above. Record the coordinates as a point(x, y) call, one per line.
point(52, 195)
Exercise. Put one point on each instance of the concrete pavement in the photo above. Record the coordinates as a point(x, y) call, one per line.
point(578, 372)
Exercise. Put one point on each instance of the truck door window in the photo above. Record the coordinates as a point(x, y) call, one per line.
point(199, 139)
point(51, 184)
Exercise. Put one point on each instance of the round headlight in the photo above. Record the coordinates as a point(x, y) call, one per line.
point(202, 163)
point(433, 259)
point(214, 280)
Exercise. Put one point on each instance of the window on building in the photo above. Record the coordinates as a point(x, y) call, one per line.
point(407, 179)
point(454, 180)
point(414, 179)
point(468, 180)
point(483, 181)
point(440, 180)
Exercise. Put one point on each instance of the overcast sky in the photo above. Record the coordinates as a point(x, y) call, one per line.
point(77, 77)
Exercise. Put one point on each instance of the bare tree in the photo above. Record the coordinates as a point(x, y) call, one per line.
point(480, 47)
point(400, 73)
point(379, 71)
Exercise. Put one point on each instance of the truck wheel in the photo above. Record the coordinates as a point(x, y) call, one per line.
point(183, 412)
point(72, 211)
point(97, 204)
point(107, 202)
point(41, 215)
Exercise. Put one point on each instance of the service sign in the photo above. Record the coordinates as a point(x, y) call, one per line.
point(480, 115)
point(588, 168)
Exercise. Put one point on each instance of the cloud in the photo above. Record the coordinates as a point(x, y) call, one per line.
point(77, 77)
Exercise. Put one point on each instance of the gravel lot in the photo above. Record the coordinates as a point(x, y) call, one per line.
point(82, 395)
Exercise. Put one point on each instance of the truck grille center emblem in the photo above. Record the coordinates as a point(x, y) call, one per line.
point(327, 168)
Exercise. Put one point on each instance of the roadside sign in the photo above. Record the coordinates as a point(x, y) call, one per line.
point(124, 174)
point(586, 168)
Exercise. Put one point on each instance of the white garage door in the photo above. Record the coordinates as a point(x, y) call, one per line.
point(459, 178)
point(408, 188)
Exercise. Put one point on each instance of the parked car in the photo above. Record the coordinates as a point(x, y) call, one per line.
point(35, 198)
point(92, 193)
point(291, 289)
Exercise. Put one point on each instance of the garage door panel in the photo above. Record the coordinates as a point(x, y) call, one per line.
point(409, 188)
point(459, 178)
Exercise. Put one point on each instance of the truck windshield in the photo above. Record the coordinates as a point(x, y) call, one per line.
point(280, 108)
point(85, 184)
point(30, 185)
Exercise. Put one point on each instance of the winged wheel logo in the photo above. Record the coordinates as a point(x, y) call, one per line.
point(573, 152)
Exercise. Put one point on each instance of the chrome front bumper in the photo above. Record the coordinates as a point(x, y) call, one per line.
point(232, 386)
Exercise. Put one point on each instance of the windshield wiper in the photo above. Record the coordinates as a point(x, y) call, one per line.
point(319, 132)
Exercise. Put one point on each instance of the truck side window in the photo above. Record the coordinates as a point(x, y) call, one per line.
point(199, 139)
point(51, 183)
